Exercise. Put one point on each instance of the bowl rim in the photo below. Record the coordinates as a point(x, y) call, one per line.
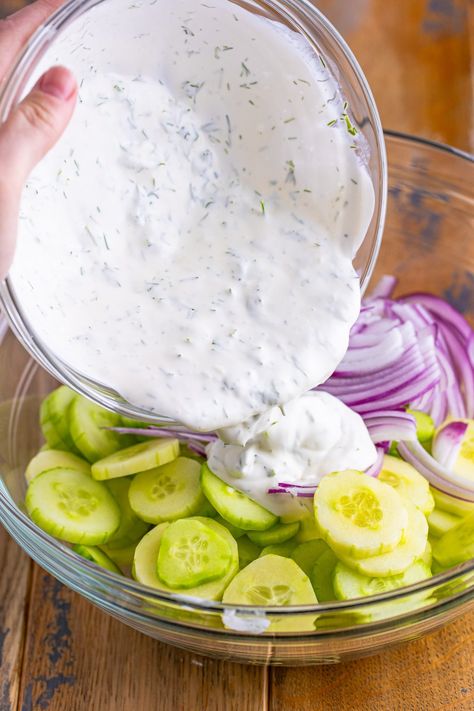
point(430, 143)
point(298, 12)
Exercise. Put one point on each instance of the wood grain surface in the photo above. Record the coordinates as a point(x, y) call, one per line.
point(59, 653)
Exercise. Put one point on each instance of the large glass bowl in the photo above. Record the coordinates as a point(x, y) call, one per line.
point(428, 245)
point(303, 18)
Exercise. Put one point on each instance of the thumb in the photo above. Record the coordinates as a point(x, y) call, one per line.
point(30, 131)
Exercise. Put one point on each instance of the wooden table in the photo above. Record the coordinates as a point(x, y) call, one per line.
point(59, 653)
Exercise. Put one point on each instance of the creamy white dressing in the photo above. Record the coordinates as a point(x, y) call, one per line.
point(297, 443)
point(189, 241)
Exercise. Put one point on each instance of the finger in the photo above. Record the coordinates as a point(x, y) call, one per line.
point(29, 133)
point(16, 30)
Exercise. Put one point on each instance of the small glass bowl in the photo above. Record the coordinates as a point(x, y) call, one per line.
point(428, 245)
point(303, 18)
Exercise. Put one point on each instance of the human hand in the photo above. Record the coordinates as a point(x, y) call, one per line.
point(34, 126)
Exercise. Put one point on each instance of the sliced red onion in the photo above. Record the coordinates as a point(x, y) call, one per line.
point(462, 367)
point(197, 448)
point(447, 443)
point(300, 490)
point(415, 314)
point(416, 351)
point(294, 492)
point(376, 351)
point(374, 470)
point(196, 441)
point(457, 342)
point(470, 349)
point(387, 425)
point(440, 309)
point(423, 403)
point(308, 490)
point(438, 475)
point(439, 407)
point(397, 398)
point(384, 287)
point(449, 387)
point(391, 379)
point(292, 485)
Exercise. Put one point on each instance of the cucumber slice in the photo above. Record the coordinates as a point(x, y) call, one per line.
point(236, 532)
point(410, 549)
point(271, 580)
point(70, 505)
point(190, 453)
point(440, 522)
point(131, 527)
point(425, 430)
point(303, 510)
point(52, 459)
point(408, 482)
point(457, 545)
point(146, 557)
point(393, 450)
point(95, 555)
point(358, 515)
point(307, 553)
point(137, 458)
point(451, 504)
point(87, 423)
point(123, 557)
point(427, 557)
point(464, 464)
point(437, 568)
point(234, 506)
point(54, 419)
point(342, 619)
point(348, 584)
point(248, 551)
point(309, 529)
point(322, 574)
point(207, 509)
point(425, 427)
point(279, 533)
point(192, 554)
point(131, 422)
point(285, 549)
point(138, 424)
point(167, 493)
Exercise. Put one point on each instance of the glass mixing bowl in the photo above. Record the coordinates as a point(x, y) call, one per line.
point(303, 18)
point(428, 245)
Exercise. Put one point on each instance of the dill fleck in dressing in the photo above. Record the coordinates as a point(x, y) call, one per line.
point(189, 242)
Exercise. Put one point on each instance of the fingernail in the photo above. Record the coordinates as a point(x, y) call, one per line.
point(58, 82)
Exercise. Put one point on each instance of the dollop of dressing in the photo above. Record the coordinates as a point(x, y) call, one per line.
point(297, 443)
point(189, 242)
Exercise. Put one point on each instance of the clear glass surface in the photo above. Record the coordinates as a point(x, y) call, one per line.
point(428, 245)
point(303, 18)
